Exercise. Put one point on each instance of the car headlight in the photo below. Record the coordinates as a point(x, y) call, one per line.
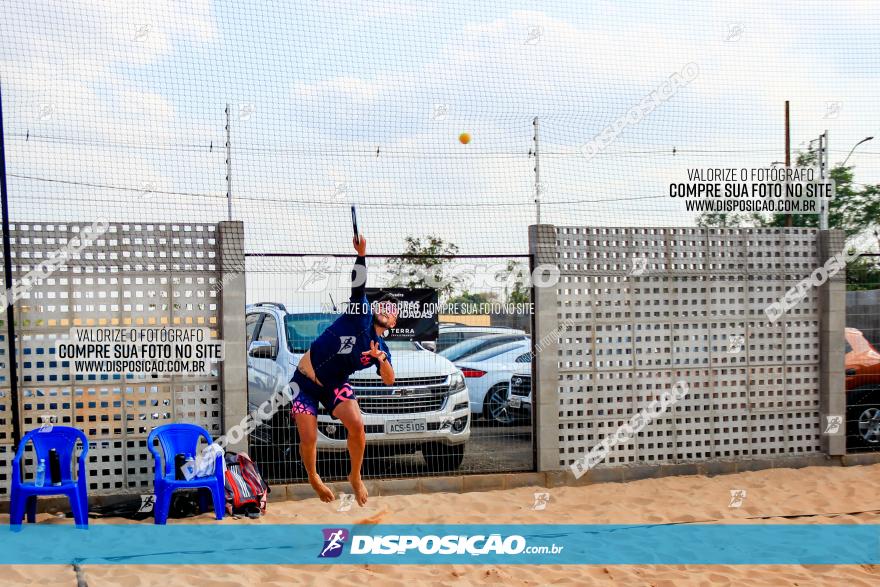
point(516, 381)
point(456, 382)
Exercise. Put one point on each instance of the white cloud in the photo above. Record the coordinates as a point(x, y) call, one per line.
point(134, 73)
point(339, 87)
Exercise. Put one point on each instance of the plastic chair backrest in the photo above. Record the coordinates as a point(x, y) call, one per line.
point(176, 439)
point(63, 439)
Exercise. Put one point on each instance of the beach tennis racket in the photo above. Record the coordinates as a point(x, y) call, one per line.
point(354, 224)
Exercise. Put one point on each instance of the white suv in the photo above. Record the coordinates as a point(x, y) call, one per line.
point(427, 408)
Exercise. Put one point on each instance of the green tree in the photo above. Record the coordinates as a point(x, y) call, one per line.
point(515, 279)
point(855, 209)
point(862, 273)
point(466, 297)
point(424, 263)
point(722, 220)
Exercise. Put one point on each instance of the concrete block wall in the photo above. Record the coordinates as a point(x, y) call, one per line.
point(136, 274)
point(652, 306)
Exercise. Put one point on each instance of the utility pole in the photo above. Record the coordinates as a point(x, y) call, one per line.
point(228, 162)
point(823, 173)
point(11, 355)
point(537, 176)
point(788, 219)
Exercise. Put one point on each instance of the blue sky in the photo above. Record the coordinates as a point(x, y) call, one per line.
point(129, 97)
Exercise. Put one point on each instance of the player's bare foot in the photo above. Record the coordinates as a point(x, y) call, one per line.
point(324, 492)
point(360, 490)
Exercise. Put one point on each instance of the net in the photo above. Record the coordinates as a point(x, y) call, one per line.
point(451, 128)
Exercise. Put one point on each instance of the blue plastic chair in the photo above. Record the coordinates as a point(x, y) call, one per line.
point(182, 439)
point(23, 496)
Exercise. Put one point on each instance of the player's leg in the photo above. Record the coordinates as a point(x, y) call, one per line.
point(348, 411)
point(304, 411)
point(307, 427)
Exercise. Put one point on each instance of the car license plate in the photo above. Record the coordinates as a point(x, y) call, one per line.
point(514, 403)
point(405, 426)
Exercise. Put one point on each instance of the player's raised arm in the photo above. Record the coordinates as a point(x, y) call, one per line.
point(359, 277)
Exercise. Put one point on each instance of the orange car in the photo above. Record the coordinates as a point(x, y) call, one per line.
point(862, 391)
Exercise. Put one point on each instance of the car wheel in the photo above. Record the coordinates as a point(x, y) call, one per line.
point(495, 407)
point(442, 458)
point(863, 419)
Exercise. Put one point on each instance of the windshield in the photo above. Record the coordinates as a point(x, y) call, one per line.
point(464, 347)
point(303, 329)
point(401, 345)
point(522, 346)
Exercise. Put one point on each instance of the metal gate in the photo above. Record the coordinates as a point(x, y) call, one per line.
point(455, 389)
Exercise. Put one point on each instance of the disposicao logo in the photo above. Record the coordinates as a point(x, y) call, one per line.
point(334, 540)
point(473, 545)
point(432, 544)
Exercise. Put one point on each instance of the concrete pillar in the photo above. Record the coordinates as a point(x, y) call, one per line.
point(232, 329)
point(545, 369)
point(832, 346)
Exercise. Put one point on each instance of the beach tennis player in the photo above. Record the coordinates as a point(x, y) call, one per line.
point(353, 342)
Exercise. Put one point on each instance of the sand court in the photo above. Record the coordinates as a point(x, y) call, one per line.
point(814, 495)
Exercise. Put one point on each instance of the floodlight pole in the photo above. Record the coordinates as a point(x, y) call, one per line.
point(788, 218)
point(537, 176)
point(824, 204)
point(228, 163)
point(11, 355)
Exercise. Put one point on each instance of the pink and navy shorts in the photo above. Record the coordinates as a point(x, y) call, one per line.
point(310, 393)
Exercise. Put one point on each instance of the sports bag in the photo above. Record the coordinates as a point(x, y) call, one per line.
point(246, 492)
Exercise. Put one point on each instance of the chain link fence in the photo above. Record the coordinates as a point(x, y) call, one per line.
point(862, 418)
point(448, 410)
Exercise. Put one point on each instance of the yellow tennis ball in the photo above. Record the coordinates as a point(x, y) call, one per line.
point(465, 138)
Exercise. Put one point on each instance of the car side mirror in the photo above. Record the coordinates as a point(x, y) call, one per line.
point(850, 372)
point(260, 349)
point(429, 345)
